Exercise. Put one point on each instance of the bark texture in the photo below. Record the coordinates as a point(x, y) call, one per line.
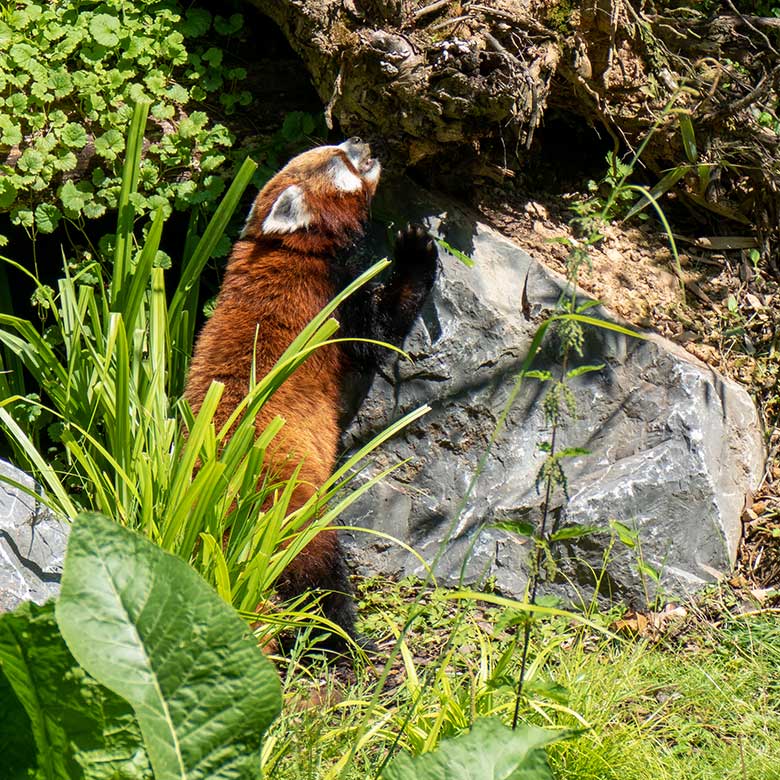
point(473, 80)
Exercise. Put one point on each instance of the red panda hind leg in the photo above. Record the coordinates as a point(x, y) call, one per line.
point(320, 569)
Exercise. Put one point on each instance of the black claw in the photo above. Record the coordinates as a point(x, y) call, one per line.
point(416, 257)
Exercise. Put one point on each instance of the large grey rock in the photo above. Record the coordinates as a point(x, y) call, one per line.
point(674, 446)
point(32, 543)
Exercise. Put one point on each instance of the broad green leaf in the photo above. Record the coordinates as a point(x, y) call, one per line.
point(178, 94)
point(572, 452)
point(7, 193)
point(24, 217)
point(110, 144)
point(23, 54)
point(626, 535)
point(66, 161)
point(82, 731)
point(6, 35)
point(72, 198)
point(104, 28)
point(17, 746)
point(196, 22)
point(574, 531)
point(93, 209)
point(541, 375)
point(62, 83)
point(228, 26)
point(47, 217)
point(580, 370)
point(490, 751)
point(31, 161)
point(10, 132)
point(74, 135)
point(146, 626)
point(519, 527)
point(648, 571)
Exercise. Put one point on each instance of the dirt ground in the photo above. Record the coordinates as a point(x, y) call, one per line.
point(726, 312)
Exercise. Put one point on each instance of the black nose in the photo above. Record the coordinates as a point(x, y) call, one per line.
point(355, 141)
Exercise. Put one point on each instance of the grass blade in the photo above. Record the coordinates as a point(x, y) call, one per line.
point(124, 229)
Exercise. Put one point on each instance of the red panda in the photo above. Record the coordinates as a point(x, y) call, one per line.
point(288, 263)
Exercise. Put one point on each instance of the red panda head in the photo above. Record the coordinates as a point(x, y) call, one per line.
point(319, 201)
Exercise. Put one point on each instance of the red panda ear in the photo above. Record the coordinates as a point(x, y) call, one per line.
point(289, 212)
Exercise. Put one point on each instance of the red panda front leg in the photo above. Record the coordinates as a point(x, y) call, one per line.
point(398, 301)
point(386, 312)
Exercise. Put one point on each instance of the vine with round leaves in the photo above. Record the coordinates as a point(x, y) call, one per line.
point(70, 73)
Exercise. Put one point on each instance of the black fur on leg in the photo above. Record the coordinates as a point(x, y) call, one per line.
point(338, 606)
point(382, 312)
point(335, 597)
point(386, 312)
point(397, 303)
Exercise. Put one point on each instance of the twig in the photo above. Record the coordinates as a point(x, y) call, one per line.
point(500, 48)
point(759, 21)
point(748, 23)
point(492, 11)
point(518, 19)
point(430, 9)
point(447, 22)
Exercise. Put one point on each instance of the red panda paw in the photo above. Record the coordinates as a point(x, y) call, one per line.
point(415, 251)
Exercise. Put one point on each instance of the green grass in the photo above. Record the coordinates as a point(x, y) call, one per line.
point(702, 703)
point(704, 710)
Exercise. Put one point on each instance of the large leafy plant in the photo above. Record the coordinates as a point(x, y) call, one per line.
point(110, 371)
point(141, 671)
point(490, 751)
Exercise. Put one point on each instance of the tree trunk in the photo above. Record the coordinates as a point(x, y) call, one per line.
point(460, 80)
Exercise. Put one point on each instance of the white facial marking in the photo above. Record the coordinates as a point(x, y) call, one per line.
point(289, 212)
point(372, 174)
point(342, 177)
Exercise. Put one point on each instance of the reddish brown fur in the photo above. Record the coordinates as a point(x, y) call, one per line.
point(273, 286)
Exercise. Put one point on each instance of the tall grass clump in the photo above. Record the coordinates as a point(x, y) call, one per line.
point(108, 374)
